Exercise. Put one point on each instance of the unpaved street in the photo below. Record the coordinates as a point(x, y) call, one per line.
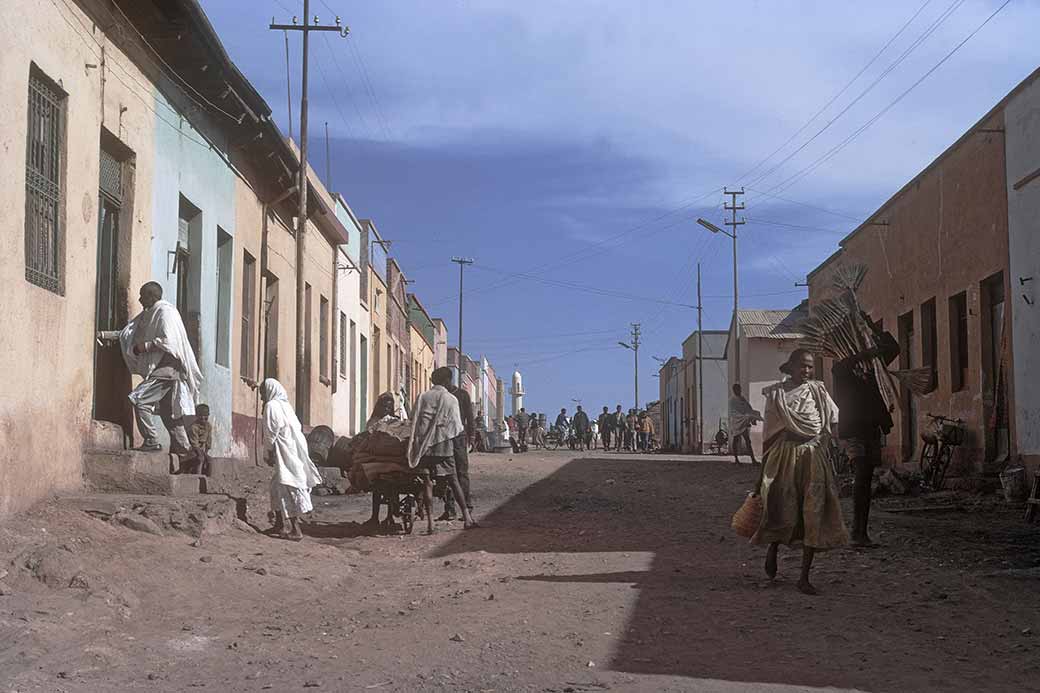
point(592, 572)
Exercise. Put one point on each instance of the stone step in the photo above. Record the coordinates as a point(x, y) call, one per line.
point(132, 471)
point(105, 435)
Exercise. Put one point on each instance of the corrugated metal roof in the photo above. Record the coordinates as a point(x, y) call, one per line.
point(772, 324)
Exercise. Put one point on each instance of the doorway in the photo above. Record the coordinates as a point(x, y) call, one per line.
point(908, 403)
point(112, 381)
point(994, 369)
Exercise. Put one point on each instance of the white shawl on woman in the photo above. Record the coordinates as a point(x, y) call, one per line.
point(806, 411)
point(284, 440)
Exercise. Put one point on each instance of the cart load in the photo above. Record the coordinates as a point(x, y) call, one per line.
point(382, 449)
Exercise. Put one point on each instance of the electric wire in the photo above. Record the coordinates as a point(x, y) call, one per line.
point(840, 92)
point(954, 6)
point(859, 131)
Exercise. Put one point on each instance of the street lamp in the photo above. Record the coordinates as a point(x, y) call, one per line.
point(635, 351)
point(715, 229)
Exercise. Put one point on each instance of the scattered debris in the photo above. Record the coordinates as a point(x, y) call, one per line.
point(457, 638)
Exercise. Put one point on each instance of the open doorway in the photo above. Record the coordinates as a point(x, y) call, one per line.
point(112, 294)
point(994, 369)
point(908, 402)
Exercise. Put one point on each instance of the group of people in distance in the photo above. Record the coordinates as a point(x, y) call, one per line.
point(618, 430)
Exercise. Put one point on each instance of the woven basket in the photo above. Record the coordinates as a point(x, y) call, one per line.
point(747, 520)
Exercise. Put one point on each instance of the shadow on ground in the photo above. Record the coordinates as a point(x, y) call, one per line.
point(704, 610)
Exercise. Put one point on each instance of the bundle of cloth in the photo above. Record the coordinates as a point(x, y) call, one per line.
point(381, 449)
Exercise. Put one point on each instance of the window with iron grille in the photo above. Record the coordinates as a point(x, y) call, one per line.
point(323, 337)
point(45, 144)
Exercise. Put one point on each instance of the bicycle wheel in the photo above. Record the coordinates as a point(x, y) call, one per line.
point(408, 514)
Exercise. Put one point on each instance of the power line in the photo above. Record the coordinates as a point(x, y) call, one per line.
point(840, 92)
point(841, 145)
point(770, 222)
point(857, 219)
point(347, 84)
point(583, 287)
point(917, 42)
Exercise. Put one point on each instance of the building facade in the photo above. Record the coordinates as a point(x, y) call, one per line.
point(937, 260)
point(764, 340)
point(1022, 144)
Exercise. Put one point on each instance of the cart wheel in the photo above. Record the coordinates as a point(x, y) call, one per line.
point(408, 514)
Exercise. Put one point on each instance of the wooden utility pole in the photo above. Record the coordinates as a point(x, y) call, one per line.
point(700, 368)
point(733, 207)
point(302, 370)
point(462, 262)
point(635, 350)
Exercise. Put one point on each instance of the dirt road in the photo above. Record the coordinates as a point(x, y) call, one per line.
point(592, 572)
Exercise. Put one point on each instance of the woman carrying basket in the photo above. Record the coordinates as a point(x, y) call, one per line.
point(797, 485)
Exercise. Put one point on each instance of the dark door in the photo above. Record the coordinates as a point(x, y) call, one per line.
point(908, 402)
point(111, 377)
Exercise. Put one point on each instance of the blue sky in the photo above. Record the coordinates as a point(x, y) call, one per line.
point(573, 145)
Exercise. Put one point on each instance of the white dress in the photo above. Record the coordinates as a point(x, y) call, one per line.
point(295, 475)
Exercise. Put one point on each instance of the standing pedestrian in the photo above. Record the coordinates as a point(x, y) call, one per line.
point(460, 444)
point(606, 427)
point(742, 416)
point(864, 419)
point(620, 428)
point(523, 422)
point(580, 422)
point(285, 449)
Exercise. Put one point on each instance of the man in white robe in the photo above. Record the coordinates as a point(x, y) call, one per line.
point(436, 422)
point(155, 346)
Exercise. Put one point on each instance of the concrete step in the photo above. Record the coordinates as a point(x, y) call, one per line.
point(105, 435)
point(131, 471)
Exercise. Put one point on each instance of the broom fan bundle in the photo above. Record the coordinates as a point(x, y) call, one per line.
point(837, 329)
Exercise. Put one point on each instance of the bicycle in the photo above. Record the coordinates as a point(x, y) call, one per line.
point(552, 440)
point(937, 453)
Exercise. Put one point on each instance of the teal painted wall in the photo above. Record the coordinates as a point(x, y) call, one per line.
point(184, 165)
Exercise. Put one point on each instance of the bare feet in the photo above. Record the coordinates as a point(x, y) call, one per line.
point(806, 588)
point(771, 561)
point(472, 524)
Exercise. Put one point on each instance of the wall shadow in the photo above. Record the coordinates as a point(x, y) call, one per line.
point(704, 608)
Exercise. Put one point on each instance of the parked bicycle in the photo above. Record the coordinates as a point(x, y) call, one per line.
point(553, 439)
point(945, 435)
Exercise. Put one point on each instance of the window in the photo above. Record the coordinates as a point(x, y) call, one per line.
point(224, 261)
point(353, 377)
point(342, 345)
point(323, 337)
point(270, 325)
point(44, 184)
point(389, 368)
point(958, 341)
point(248, 309)
point(364, 380)
point(189, 230)
point(376, 301)
point(929, 348)
point(377, 350)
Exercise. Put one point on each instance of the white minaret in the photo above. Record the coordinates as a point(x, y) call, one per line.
point(517, 392)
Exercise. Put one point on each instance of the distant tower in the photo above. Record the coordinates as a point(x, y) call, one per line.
point(517, 392)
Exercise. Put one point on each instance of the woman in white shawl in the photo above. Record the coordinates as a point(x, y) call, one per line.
point(285, 449)
point(797, 484)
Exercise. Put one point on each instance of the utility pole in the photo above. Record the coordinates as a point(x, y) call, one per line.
point(302, 384)
point(635, 350)
point(462, 262)
point(733, 208)
point(700, 367)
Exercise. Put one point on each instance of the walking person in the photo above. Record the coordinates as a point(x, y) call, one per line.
point(620, 428)
point(742, 416)
point(606, 425)
point(155, 346)
point(285, 449)
point(631, 426)
point(437, 429)
point(797, 484)
point(864, 419)
point(580, 422)
point(461, 444)
point(523, 423)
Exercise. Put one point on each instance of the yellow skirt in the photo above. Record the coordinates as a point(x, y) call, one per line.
point(800, 497)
